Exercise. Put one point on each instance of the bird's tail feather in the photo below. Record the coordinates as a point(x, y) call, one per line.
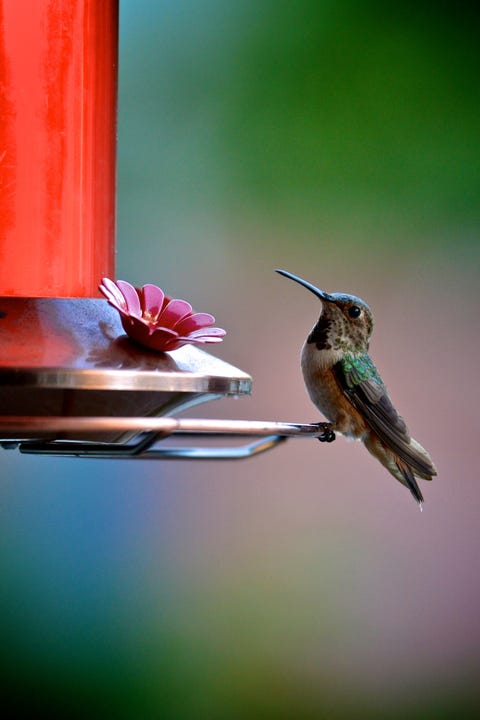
point(408, 479)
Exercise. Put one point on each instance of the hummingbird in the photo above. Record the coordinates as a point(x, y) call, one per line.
point(344, 384)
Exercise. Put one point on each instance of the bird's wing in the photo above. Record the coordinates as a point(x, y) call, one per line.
point(363, 386)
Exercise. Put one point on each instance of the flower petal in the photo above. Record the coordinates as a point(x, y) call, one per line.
point(175, 344)
point(194, 322)
point(199, 339)
point(208, 332)
point(131, 298)
point(172, 313)
point(145, 335)
point(160, 340)
point(152, 298)
point(113, 294)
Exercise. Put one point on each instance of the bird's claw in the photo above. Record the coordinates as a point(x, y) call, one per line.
point(328, 434)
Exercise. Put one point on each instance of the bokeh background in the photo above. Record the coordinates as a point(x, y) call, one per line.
point(339, 140)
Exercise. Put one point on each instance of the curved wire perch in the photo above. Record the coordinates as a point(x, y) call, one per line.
point(149, 431)
point(218, 453)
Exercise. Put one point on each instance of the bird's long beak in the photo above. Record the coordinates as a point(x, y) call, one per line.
point(316, 291)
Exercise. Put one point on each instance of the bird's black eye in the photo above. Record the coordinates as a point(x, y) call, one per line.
point(354, 311)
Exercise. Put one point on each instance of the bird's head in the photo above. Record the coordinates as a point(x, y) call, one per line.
point(345, 323)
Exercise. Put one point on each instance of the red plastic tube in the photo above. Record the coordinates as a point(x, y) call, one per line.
point(58, 88)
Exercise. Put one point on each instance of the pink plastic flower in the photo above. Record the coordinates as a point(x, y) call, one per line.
point(151, 318)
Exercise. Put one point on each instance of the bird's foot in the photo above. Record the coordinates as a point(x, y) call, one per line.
point(328, 434)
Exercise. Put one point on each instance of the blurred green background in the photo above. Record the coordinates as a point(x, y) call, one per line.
point(339, 140)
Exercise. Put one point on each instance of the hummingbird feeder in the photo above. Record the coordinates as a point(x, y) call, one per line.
point(71, 382)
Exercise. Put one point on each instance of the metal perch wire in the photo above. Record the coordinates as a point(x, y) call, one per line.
point(149, 431)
